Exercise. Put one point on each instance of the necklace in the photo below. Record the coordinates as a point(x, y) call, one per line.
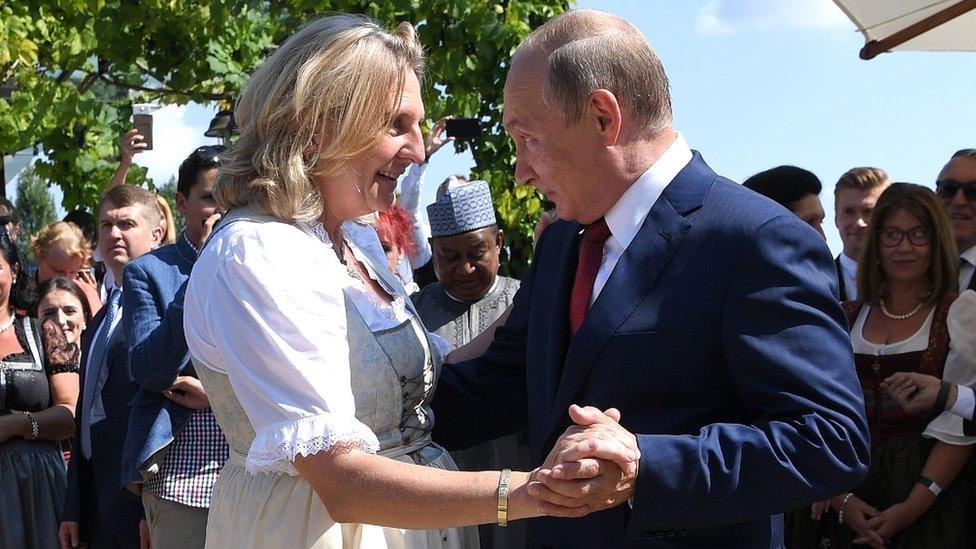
point(9, 323)
point(903, 316)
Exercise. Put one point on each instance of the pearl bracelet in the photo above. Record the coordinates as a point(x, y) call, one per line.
point(843, 505)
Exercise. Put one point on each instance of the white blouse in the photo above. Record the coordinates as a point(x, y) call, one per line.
point(265, 306)
point(960, 369)
point(960, 366)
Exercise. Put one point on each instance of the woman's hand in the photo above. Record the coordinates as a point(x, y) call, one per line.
point(914, 392)
point(818, 509)
point(856, 516)
point(433, 142)
point(188, 391)
point(892, 520)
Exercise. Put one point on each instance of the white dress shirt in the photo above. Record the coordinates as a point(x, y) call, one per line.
point(848, 269)
point(968, 268)
point(90, 375)
point(626, 216)
point(960, 365)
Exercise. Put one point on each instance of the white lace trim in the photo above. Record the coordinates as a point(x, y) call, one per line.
point(274, 449)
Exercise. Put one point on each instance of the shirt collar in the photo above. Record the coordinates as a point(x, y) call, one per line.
point(847, 264)
point(627, 215)
point(969, 255)
point(186, 240)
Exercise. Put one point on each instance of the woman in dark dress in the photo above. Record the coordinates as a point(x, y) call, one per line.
point(918, 492)
point(38, 392)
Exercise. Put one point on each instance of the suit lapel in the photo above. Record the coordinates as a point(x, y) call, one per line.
point(87, 340)
point(558, 340)
point(631, 281)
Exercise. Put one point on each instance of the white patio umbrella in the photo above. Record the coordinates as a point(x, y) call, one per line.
point(920, 25)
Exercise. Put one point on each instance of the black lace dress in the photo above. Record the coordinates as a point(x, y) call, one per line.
point(32, 472)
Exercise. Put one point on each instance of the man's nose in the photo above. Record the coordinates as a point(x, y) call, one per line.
point(524, 173)
point(959, 199)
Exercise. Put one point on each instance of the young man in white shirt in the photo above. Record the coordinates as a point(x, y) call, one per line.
point(854, 197)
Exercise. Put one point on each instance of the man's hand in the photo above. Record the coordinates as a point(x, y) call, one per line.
point(68, 534)
point(433, 142)
point(145, 540)
point(593, 466)
point(914, 392)
point(188, 391)
point(208, 226)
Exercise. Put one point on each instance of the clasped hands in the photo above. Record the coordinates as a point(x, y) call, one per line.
point(593, 466)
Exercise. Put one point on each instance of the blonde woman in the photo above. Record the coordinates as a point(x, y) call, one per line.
point(312, 356)
point(61, 250)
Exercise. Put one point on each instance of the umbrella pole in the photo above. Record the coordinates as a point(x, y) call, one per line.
point(874, 47)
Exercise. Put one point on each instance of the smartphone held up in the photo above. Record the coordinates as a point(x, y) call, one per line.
point(142, 120)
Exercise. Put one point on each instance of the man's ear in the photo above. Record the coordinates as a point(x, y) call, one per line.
point(603, 111)
point(181, 203)
point(500, 238)
point(156, 234)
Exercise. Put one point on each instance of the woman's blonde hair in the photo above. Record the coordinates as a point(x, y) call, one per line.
point(74, 241)
point(928, 208)
point(322, 98)
point(168, 224)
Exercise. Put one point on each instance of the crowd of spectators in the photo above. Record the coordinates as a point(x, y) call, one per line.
point(128, 450)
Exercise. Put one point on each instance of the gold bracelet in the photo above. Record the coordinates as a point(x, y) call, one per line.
point(503, 497)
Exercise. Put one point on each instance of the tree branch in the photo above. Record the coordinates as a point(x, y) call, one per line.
point(163, 90)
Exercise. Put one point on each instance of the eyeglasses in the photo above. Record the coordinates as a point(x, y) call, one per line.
point(891, 237)
point(947, 188)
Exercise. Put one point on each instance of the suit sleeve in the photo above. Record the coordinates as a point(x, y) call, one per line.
point(485, 398)
point(157, 346)
point(785, 345)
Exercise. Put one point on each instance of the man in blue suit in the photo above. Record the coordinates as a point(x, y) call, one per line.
point(96, 509)
point(706, 315)
point(174, 448)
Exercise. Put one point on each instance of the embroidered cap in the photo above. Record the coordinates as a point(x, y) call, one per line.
point(462, 209)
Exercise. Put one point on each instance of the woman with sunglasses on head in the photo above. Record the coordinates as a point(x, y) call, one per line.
point(38, 393)
point(61, 250)
point(917, 493)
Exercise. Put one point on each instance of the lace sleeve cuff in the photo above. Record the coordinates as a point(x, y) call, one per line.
point(274, 448)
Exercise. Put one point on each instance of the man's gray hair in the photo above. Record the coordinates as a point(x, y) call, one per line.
point(589, 50)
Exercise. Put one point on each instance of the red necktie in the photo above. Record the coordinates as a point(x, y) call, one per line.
point(590, 257)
